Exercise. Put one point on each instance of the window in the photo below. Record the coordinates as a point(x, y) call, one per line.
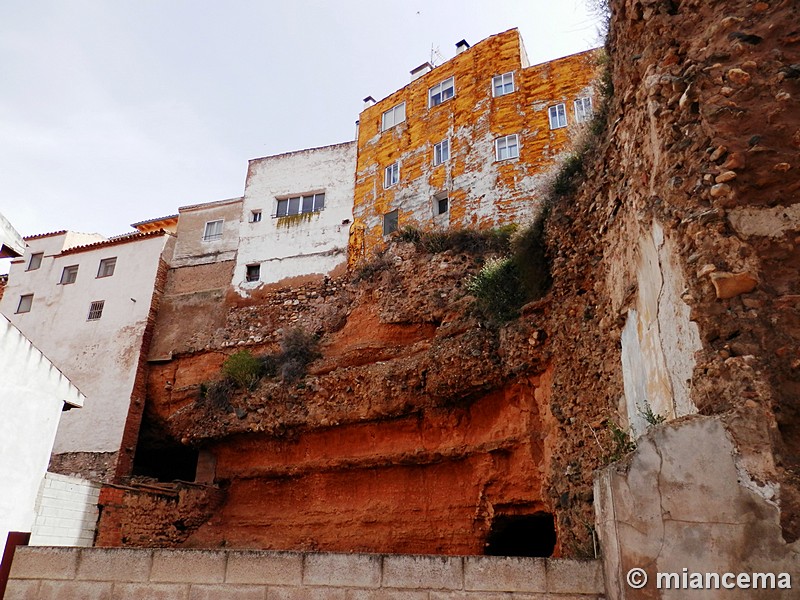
point(390, 222)
point(255, 216)
point(393, 116)
point(441, 92)
point(95, 310)
point(440, 204)
point(583, 109)
point(300, 204)
point(69, 275)
point(502, 84)
point(558, 116)
point(391, 175)
point(213, 231)
point(441, 152)
point(506, 147)
point(35, 262)
point(253, 273)
point(25, 303)
point(107, 266)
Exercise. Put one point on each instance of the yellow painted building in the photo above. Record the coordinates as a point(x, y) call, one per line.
point(467, 143)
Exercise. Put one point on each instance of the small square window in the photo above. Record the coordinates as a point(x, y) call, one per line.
point(35, 262)
point(96, 310)
point(507, 147)
point(503, 84)
point(213, 231)
point(390, 222)
point(253, 273)
point(107, 266)
point(441, 152)
point(441, 92)
point(558, 116)
point(25, 303)
point(583, 109)
point(391, 175)
point(255, 216)
point(442, 205)
point(69, 275)
point(393, 116)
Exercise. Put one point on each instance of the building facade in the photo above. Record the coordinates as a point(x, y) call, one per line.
point(468, 143)
point(296, 215)
point(88, 304)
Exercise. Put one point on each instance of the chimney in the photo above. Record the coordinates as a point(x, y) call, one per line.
point(369, 101)
point(421, 70)
point(461, 46)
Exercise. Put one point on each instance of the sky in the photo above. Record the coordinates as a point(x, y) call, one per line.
point(113, 112)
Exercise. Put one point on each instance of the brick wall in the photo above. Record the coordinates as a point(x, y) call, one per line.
point(66, 512)
point(45, 573)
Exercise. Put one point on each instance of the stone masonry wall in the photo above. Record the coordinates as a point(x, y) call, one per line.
point(114, 574)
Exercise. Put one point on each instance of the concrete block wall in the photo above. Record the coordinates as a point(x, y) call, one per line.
point(121, 573)
point(66, 512)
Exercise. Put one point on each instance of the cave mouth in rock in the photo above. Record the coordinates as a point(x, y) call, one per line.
point(166, 462)
point(522, 535)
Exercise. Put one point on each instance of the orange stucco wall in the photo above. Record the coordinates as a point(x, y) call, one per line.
point(483, 192)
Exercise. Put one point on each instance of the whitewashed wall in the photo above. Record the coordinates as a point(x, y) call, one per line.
point(32, 393)
point(316, 244)
point(100, 356)
point(66, 512)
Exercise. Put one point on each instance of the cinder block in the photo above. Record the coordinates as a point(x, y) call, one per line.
point(342, 570)
point(504, 574)
point(265, 568)
point(85, 590)
point(575, 576)
point(469, 596)
point(384, 594)
point(150, 591)
point(420, 572)
point(114, 564)
point(305, 593)
point(188, 566)
point(22, 589)
point(227, 592)
point(44, 563)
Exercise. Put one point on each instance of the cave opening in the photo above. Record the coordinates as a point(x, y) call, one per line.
point(522, 535)
point(166, 463)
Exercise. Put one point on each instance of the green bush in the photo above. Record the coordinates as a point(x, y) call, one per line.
point(243, 369)
point(497, 289)
point(298, 350)
point(470, 241)
point(217, 394)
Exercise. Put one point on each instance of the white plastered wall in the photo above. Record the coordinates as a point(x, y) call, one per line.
point(314, 244)
point(99, 356)
point(32, 394)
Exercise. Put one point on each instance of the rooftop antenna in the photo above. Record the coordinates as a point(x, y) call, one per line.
point(437, 57)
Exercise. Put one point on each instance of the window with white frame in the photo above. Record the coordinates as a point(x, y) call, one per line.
point(393, 116)
point(441, 152)
point(69, 275)
point(297, 205)
point(390, 222)
point(391, 175)
point(558, 116)
point(253, 272)
point(506, 147)
point(96, 310)
point(441, 92)
point(213, 231)
point(502, 84)
point(35, 261)
point(107, 266)
point(255, 216)
point(441, 203)
point(583, 109)
point(25, 303)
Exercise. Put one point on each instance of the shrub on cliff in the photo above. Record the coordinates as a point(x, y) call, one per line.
point(471, 241)
point(497, 289)
point(298, 350)
point(243, 369)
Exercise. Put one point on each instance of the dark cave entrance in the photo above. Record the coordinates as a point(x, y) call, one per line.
point(522, 535)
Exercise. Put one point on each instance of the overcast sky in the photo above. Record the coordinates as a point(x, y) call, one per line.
point(113, 112)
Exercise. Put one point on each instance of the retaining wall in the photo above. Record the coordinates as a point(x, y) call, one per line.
point(117, 573)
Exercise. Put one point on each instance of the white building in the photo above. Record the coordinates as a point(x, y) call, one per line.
point(296, 215)
point(87, 303)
